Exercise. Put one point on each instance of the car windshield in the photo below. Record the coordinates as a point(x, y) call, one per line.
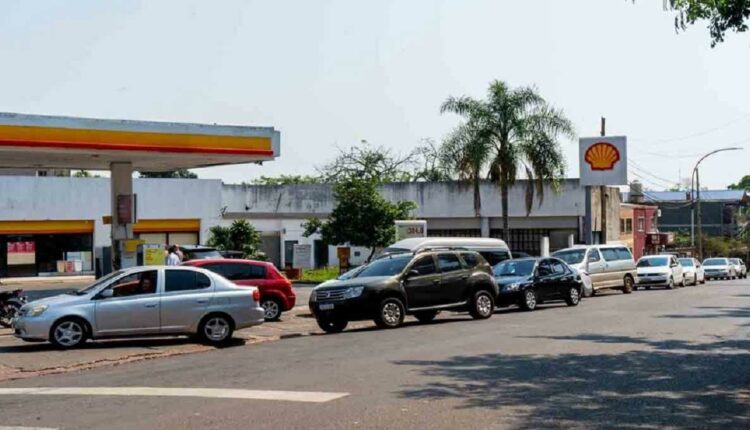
point(515, 268)
point(351, 273)
point(654, 262)
point(98, 283)
point(573, 256)
point(687, 262)
point(715, 262)
point(388, 266)
point(203, 254)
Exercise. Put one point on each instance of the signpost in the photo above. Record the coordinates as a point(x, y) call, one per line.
point(603, 161)
point(411, 228)
point(302, 258)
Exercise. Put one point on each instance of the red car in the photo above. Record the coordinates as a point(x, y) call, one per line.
point(276, 294)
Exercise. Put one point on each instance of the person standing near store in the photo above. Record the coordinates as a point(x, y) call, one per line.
point(173, 259)
point(179, 253)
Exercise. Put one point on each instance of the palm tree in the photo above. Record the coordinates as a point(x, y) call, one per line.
point(467, 153)
point(518, 129)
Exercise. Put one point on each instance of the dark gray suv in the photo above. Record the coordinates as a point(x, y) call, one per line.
point(419, 284)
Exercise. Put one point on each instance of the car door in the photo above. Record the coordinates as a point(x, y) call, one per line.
point(611, 275)
point(700, 273)
point(595, 265)
point(563, 279)
point(676, 270)
point(133, 307)
point(545, 281)
point(422, 283)
point(453, 278)
point(185, 297)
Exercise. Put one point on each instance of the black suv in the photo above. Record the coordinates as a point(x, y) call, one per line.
point(420, 284)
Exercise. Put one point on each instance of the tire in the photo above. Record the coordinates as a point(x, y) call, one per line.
point(425, 316)
point(332, 325)
point(628, 283)
point(68, 333)
point(670, 284)
point(390, 313)
point(482, 305)
point(573, 298)
point(529, 300)
point(10, 312)
point(593, 291)
point(216, 329)
point(271, 308)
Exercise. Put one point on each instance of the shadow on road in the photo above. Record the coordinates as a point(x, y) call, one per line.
point(715, 312)
point(675, 385)
point(148, 343)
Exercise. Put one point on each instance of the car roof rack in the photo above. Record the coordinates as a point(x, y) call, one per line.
point(441, 248)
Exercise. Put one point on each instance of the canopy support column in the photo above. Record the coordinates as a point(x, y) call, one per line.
point(123, 208)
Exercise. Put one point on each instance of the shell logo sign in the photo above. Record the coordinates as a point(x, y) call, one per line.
point(603, 161)
point(602, 156)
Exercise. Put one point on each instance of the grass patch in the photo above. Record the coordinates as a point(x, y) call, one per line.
point(320, 275)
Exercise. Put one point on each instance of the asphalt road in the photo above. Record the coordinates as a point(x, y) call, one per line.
point(653, 359)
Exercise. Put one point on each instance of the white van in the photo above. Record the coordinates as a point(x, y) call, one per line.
point(493, 250)
point(609, 266)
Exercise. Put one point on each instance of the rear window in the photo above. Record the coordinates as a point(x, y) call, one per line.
point(715, 262)
point(687, 262)
point(623, 254)
point(238, 271)
point(185, 280)
point(495, 257)
point(471, 260)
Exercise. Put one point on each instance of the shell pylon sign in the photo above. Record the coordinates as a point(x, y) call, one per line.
point(603, 160)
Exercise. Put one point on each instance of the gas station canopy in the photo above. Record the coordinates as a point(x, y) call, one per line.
point(36, 141)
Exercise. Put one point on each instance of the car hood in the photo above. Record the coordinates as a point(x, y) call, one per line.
point(507, 280)
point(61, 300)
point(370, 280)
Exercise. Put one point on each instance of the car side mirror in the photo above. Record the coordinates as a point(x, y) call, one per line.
point(412, 273)
point(105, 294)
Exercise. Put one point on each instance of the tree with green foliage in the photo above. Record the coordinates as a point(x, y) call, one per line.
point(362, 217)
point(366, 161)
point(287, 180)
point(722, 15)
point(240, 236)
point(743, 184)
point(467, 152)
point(512, 129)
point(175, 174)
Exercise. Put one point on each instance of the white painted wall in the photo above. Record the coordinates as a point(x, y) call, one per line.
point(25, 198)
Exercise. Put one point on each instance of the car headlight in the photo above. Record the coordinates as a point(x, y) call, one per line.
point(353, 292)
point(37, 310)
point(513, 287)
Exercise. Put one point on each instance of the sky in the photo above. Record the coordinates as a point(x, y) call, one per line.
point(330, 73)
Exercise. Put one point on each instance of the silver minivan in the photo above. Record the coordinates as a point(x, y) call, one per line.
point(493, 250)
point(609, 266)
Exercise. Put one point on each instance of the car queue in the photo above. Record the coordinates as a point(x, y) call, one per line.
point(211, 298)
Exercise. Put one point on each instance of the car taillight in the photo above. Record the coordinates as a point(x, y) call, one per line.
point(256, 294)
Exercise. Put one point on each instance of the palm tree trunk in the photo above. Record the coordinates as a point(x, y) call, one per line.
point(504, 197)
point(477, 199)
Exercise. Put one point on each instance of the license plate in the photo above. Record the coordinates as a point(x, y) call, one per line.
point(326, 306)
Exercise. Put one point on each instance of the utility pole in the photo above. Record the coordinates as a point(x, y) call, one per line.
point(603, 195)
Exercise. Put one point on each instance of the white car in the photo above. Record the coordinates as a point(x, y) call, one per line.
point(693, 271)
point(659, 270)
point(739, 267)
point(719, 268)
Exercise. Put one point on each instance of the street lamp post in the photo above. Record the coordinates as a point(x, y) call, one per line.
point(695, 197)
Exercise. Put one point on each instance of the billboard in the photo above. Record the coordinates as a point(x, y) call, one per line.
point(603, 160)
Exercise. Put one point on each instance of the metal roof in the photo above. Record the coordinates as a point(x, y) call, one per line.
point(684, 196)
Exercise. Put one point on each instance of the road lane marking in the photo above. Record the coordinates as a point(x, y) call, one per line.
point(215, 393)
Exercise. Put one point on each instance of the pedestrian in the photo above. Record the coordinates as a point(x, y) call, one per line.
point(173, 259)
point(179, 253)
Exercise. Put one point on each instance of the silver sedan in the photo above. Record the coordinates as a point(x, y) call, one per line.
point(143, 301)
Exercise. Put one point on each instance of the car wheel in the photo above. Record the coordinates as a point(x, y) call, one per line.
point(425, 316)
point(528, 302)
point(68, 333)
point(593, 291)
point(670, 284)
point(7, 315)
point(216, 329)
point(271, 309)
point(627, 285)
point(332, 325)
point(573, 297)
point(390, 313)
point(482, 305)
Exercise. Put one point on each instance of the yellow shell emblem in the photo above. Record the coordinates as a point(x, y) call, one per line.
point(602, 156)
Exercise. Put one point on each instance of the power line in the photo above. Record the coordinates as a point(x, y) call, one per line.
point(637, 166)
point(699, 133)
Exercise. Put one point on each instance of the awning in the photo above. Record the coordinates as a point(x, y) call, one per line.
point(36, 141)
